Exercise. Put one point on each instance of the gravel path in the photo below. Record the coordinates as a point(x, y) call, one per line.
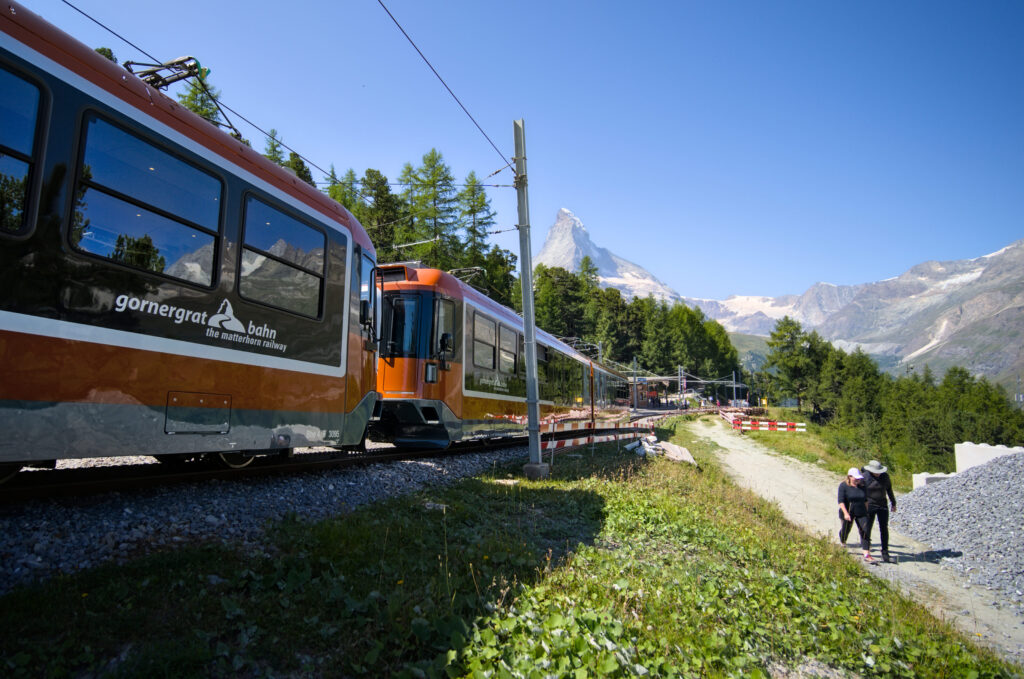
point(40, 539)
point(806, 494)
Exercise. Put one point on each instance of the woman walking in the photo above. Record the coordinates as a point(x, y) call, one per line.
point(878, 487)
point(853, 509)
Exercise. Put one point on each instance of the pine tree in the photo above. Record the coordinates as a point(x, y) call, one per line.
point(383, 213)
point(500, 281)
point(273, 149)
point(558, 302)
point(791, 359)
point(431, 197)
point(346, 191)
point(655, 350)
point(477, 218)
point(107, 53)
point(200, 97)
point(610, 330)
point(297, 165)
point(139, 252)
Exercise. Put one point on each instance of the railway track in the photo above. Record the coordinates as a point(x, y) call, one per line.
point(41, 484)
point(44, 484)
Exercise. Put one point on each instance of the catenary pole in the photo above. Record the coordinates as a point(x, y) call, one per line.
point(535, 468)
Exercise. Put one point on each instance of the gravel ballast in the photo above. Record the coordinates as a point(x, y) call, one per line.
point(42, 538)
point(975, 520)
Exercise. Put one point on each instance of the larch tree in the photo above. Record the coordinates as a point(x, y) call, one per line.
point(346, 190)
point(273, 149)
point(200, 98)
point(432, 199)
point(477, 219)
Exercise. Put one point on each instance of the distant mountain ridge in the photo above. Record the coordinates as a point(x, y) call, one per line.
point(966, 312)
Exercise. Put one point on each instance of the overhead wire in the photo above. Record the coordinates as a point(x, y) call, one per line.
point(222, 107)
point(219, 104)
point(110, 30)
point(507, 162)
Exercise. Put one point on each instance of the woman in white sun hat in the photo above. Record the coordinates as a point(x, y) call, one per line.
point(878, 487)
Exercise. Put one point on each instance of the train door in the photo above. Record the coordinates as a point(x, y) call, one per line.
point(399, 340)
point(369, 315)
point(443, 367)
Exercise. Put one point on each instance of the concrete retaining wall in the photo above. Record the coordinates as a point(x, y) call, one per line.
point(924, 478)
point(972, 454)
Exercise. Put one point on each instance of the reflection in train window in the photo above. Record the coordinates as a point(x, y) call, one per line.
point(400, 318)
point(140, 206)
point(283, 236)
point(282, 261)
point(483, 341)
point(143, 239)
point(444, 323)
point(19, 108)
point(507, 350)
point(367, 282)
point(126, 164)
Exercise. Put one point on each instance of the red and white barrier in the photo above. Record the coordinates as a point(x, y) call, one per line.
point(768, 425)
point(623, 434)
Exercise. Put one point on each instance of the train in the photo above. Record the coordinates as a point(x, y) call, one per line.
point(451, 368)
point(164, 289)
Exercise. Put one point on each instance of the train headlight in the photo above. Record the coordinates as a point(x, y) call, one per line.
point(430, 373)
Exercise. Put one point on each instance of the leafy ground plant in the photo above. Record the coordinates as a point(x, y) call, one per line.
point(616, 566)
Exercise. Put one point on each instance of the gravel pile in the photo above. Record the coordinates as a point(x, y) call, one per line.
point(40, 539)
point(977, 517)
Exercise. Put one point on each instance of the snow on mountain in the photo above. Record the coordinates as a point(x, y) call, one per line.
point(966, 312)
point(568, 243)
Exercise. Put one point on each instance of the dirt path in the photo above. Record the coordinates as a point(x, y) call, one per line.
point(807, 496)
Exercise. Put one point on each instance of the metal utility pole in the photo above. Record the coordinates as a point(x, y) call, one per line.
point(734, 387)
point(535, 469)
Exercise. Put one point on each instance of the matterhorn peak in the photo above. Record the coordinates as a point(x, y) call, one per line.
point(568, 243)
point(565, 220)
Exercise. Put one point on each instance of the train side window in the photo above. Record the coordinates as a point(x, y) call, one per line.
point(444, 322)
point(506, 350)
point(123, 163)
point(483, 341)
point(368, 294)
point(367, 284)
point(521, 364)
point(138, 205)
point(19, 109)
point(542, 370)
point(282, 260)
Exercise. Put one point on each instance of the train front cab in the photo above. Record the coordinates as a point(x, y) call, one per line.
point(452, 368)
point(419, 372)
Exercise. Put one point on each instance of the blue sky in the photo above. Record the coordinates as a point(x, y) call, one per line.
point(749, 148)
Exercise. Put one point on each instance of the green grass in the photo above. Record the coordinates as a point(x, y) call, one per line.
point(616, 566)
